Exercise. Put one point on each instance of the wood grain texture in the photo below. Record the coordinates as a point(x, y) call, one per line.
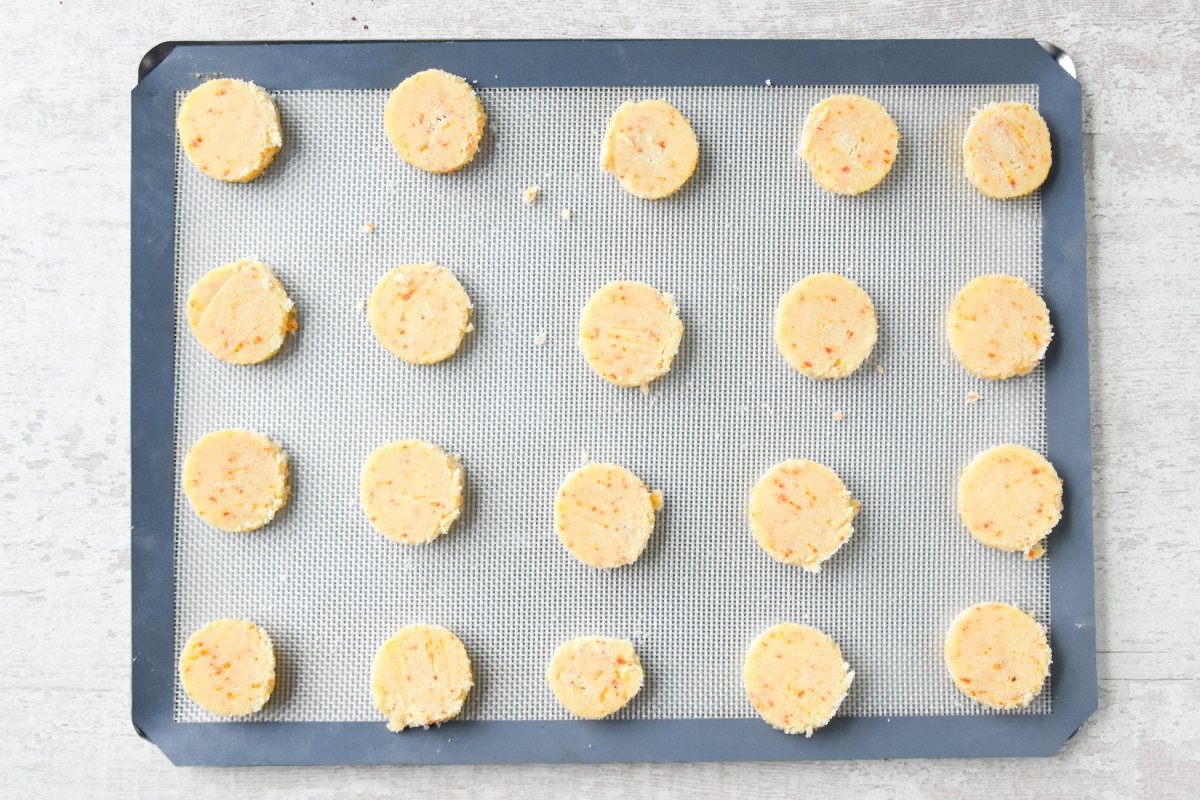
point(64, 396)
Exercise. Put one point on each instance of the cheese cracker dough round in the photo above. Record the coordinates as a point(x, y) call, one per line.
point(420, 677)
point(825, 326)
point(228, 667)
point(230, 129)
point(998, 655)
point(796, 677)
point(850, 143)
point(998, 327)
point(435, 121)
point(236, 480)
point(651, 148)
point(1010, 498)
point(1006, 151)
point(411, 491)
point(420, 313)
point(240, 312)
point(801, 513)
point(629, 333)
point(604, 515)
point(595, 676)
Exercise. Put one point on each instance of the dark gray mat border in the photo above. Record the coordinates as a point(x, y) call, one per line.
point(344, 65)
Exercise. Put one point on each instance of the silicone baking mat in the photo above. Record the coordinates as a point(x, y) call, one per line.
point(522, 415)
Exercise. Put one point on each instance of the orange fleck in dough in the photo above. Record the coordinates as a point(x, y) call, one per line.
point(850, 143)
point(801, 513)
point(595, 676)
point(228, 667)
point(240, 312)
point(1006, 150)
point(825, 326)
point(411, 491)
point(998, 655)
point(795, 677)
point(420, 677)
point(420, 313)
point(1010, 498)
point(998, 327)
point(230, 129)
point(435, 121)
point(629, 333)
point(604, 515)
point(236, 480)
point(651, 148)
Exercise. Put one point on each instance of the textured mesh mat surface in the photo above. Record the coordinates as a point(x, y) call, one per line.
point(329, 589)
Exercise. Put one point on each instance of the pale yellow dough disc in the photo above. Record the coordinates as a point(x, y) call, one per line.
point(796, 677)
point(420, 313)
point(630, 332)
point(595, 676)
point(850, 143)
point(230, 129)
point(651, 148)
point(236, 480)
point(240, 312)
point(411, 491)
point(1006, 151)
point(1010, 498)
point(420, 677)
point(825, 326)
point(998, 327)
point(435, 121)
point(801, 513)
point(998, 655)
point(228, 667)
point(604, 515)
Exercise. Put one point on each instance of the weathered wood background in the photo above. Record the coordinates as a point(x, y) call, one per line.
point(67, 68)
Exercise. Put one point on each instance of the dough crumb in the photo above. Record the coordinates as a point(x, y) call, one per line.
point(539, 338)
point(972, 397)
point(838, 416)
point(530, 195)
point(368, 227)
point(585, 456)
point(645, 387)
point(880, 369)
point(565, 213)
point(362, 305)
point(767, 81)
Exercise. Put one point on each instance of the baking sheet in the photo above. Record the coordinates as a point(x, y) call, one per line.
point(329, 589)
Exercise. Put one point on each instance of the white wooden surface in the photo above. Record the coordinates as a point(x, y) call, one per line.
point(67, 68)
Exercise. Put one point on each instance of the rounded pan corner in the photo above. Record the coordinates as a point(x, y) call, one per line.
point(155, 56)
point(1061, 57)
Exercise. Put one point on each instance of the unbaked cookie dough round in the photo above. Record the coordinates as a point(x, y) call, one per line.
point(825, 326)
point(595, 676)
point(420, 677)
point(420, 313)
point(796, 677)
point(801, 513)
point(240, 312)
point(228, 667)
point(850, 143)
point(435, 121)
point(411, 491)
point(230, 129)
point(998, 327)
point(604, 515)
point(1006, 151)
point(998, 655)
point(236, 480)
point(629, 333)
point(1010, 498)
point(651, 148)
